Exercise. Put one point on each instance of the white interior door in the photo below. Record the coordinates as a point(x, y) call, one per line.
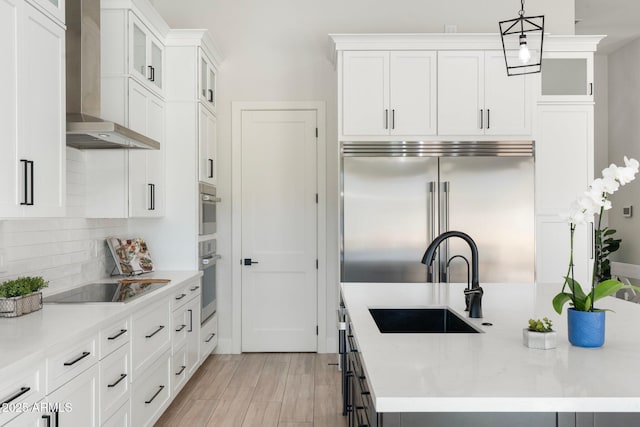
point(279, 220)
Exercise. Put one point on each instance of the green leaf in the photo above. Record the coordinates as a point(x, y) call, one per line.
point(559, 300)
point(576, 290)
point(608, 231)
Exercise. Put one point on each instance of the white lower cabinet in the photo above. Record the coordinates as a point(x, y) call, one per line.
point(151, 336)
point(193, 335)
point(151, 392)
point(114, 382)
point(32, 419)
point(77, 400)
point(179, 369)
point(26, 388)
point(122, 417)
point(208, 336)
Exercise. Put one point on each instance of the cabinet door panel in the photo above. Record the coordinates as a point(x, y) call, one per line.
point(460, 92)
point(507, 99)
point(156, 62)
point(193, 335)
point(81, 397)
point(413, 93)
point(365, 93)
point(9, 163)
point(42, 98)
point(138, 48)
point(207, 146)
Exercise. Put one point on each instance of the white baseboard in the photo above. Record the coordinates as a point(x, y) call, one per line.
point(225, 346)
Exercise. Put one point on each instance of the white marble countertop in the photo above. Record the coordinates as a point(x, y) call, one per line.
point(493, 371)
point(33, 336)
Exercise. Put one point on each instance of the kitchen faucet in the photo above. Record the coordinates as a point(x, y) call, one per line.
point(475, 293)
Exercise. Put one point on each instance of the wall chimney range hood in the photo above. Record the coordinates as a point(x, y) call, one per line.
point(85, 128)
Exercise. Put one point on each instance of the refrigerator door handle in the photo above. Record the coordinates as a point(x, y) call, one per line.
point(443, 218)
point(431, 222)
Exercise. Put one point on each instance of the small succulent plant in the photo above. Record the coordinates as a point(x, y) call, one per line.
point(537, 325)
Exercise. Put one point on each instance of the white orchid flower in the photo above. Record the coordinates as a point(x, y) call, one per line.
point(633, 164)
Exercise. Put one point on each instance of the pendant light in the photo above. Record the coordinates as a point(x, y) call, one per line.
point(524, 34)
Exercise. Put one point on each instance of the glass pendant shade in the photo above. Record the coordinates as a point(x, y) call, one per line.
point(522, 40)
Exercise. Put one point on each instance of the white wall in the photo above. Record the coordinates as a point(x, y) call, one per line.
point(624, 134)
point(277, 51)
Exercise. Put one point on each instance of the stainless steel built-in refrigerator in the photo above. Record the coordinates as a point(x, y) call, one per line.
point(397, 197)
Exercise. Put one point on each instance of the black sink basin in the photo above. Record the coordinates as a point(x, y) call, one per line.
point(420, 321)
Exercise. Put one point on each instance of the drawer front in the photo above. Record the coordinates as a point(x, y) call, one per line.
point(150, 335)
point(70, 362)
point(185, 293)
point(122, 417)
point(180, 327)
point(114, 336)
point(208, 337)
point(21, 391)
point(114, 382)
point(151, 392)
point(179, 369)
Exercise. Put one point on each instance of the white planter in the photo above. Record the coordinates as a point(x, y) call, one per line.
point(539, 340)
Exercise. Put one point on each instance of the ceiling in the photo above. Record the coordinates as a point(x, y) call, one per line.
point(618, 19)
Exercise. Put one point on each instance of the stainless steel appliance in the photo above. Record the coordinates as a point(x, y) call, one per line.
point(106, 292)
point(207, 261)
point(398, 196)
point(207, 209)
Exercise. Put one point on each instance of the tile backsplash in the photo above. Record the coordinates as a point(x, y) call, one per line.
point(65, 251)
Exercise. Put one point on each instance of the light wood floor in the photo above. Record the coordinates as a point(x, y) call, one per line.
point(260, 389)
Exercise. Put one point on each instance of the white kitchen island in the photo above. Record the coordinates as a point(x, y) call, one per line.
point(428, 375)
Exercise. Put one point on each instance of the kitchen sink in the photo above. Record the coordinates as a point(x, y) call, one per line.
point(104, 292)
point(438, 320)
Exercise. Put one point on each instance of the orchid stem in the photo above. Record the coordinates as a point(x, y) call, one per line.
point(597, 256)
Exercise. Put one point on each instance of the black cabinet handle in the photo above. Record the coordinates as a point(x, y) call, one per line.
point(210, 338)
point(48, 418)
point(481, 118)
point(149, 68)
point(181, 296)
point(15, 395)
point(28, 182)
point(210, 96)
point(77, 359)
point(488, 118)
point(182, 368)
point(161, 327)
point(386, 119)
point(210, 168)
point(116, 336)
point(153, 74)
point(195, 288)
point(122, 376)
point(152, 197)
point(393, 119)
point(155, 395)
point(181, 328)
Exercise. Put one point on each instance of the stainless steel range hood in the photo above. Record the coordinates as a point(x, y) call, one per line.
point(85, 128)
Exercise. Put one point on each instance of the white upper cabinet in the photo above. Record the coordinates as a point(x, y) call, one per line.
point(207, 81)
point(566, 76)
point(146, 55)
point(33, 155)
point(146, 167)
point(207, 146)
point(476, 97)
point(388, 93)
point(53, 8)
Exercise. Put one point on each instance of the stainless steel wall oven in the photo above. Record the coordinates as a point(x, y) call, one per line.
point(207, 209)
point(207, 262)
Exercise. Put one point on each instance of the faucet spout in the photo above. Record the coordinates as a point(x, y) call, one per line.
point(476, 292)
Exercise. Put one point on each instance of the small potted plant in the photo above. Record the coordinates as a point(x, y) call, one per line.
point(21, 296)
point(586, 322)
point(539, 334)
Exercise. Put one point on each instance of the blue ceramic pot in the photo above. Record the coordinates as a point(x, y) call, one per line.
point(586, 328)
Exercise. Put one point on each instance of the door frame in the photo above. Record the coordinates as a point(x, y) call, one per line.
point(236, 212)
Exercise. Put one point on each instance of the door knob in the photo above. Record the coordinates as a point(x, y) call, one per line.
point(248, 261)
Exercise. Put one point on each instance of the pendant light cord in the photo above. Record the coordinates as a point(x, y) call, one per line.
point(521, 13)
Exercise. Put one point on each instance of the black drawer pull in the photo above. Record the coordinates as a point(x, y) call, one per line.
point(210, 338)
point(119, 334)
point(16, 395)
point(210, 97)
point(366, 393)
point(182, 368)
point(181, 328)
point(181, 296)
point(122, 376)
point(48, 418)
point(161, 327)
point(77, 359)
point(195, 288)
point(155, 395)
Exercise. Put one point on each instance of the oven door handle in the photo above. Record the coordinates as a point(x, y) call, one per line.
point(210, 200)
point(210, 260)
